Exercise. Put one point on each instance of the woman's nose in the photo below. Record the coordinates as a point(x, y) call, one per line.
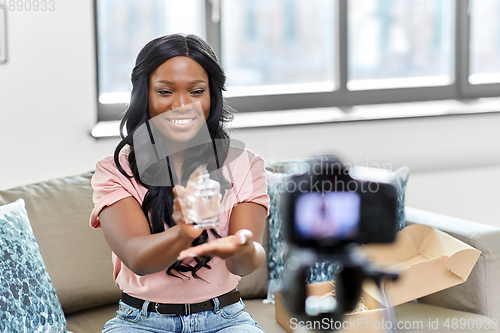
point(180, 101)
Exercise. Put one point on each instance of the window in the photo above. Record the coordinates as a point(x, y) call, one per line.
point(399, 43)
point(485, 43)
point(121, 34)
point(292, 54)
point(277, 47)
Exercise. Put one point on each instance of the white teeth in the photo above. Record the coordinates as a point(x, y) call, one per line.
point(181, 121)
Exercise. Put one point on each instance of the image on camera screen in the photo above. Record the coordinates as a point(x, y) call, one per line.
point(327, 215)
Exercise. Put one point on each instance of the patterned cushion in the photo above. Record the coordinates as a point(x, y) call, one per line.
point(398, 178)
point(59, 211)
point(320, 271)
point(277, 245)
point(28, 301)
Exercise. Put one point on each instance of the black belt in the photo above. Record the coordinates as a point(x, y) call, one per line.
point(183, 309)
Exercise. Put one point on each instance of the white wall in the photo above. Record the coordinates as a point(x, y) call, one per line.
point(471, 194)
point(47, 109)
point(47, 95)
point(424, 144)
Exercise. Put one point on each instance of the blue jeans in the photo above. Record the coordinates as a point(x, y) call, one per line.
point(232, 318)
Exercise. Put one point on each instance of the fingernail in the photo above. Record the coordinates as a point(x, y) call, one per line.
point(179, 258)
point(243, 240)
point(192, 255)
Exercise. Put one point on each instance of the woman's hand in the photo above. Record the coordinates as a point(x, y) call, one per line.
point(181, 208)
point(231, 246)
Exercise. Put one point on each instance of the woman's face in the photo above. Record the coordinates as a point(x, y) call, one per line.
point(179, 98)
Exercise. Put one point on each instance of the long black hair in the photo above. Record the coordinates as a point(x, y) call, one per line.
point(158, 201)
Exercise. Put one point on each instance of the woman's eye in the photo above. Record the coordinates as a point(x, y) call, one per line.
point(198, 92)
point(163, 92)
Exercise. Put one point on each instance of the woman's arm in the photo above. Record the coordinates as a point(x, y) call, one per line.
point(126, 230)
point(242, 249)
point(247, 216)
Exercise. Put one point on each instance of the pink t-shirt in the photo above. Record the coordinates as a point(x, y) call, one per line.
point(246, 173)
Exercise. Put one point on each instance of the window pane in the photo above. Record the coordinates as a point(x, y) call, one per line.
point(280, 45)
point(125, 26)
point(484, 41)
point(399, 43)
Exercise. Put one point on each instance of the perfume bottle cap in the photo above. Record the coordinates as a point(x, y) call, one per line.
point(203, 176)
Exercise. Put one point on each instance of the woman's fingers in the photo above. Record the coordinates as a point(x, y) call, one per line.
point(180, 201)
point(204, 249)
point(223, 247)
point(179, 191)
point(245, 236)
point(180, 214)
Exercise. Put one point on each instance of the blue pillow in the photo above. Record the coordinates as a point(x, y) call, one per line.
point(277, 244)
point(28, 301)
point(319, 271)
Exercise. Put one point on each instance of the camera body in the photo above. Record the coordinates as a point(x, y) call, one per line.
point(325, 208)
point(326, 213)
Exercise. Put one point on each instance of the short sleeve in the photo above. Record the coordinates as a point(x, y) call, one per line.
point(109, 186)
point(254, 185)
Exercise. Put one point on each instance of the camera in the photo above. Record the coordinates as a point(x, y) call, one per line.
point(327, 212)
point(326, 208)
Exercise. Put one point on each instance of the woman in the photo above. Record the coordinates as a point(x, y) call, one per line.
point(175, 277)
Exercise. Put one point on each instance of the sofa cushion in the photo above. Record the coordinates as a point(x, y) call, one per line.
point(78, 258)
point(28, 301)
point(91, 321)
point(264, 315)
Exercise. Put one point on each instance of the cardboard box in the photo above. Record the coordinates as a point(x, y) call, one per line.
point(428, 260)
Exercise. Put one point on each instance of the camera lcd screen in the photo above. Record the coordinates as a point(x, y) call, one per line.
point(320, 215)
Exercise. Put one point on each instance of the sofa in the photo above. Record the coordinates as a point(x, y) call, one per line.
point(78, 261)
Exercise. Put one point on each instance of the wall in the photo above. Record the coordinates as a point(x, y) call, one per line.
point(470, 194)
point(47, 95)
point(425, 144)
point(47, 109)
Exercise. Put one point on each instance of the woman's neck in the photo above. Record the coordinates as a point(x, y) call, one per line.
point(177, 160)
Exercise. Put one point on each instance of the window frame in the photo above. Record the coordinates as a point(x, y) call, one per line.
point(460, 88)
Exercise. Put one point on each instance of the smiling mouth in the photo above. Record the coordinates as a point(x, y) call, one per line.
point(181, 121)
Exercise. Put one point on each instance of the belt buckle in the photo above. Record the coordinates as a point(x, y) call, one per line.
point(156, 308)
point(187, 309)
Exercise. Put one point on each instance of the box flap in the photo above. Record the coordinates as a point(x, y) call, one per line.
point(428, 260)
point(462, 262)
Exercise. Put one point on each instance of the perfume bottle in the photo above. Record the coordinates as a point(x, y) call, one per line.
point(203, 195)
